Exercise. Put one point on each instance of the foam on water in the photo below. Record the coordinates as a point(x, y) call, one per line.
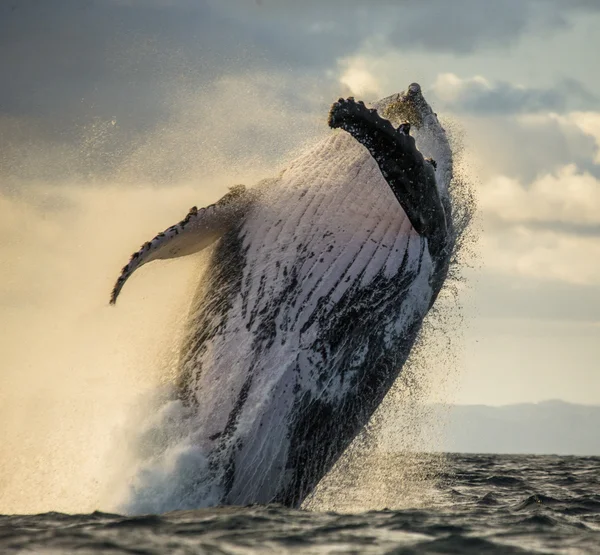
point(480, 504)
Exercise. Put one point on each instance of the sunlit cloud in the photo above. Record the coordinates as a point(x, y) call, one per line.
point(587, 122)
point(358, 77)
point(567, 196)
point(544, 255)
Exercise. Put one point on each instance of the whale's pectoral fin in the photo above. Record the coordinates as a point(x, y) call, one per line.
point(198, 230)
point(410, 176)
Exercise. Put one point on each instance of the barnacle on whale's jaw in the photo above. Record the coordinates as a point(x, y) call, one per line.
point(409, 106)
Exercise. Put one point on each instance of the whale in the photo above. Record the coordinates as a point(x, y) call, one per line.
point(317, 284)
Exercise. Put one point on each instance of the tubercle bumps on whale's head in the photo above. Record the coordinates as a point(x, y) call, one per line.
point(410, 106)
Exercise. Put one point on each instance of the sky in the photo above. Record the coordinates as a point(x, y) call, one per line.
point(117, 115)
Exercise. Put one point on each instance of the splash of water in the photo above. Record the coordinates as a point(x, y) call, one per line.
point(69, 213)
point(71, 440)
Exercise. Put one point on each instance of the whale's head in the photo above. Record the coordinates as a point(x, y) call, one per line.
point(411, 107)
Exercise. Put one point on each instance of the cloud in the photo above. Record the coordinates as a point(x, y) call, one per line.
point(504, 295)
point(525, 146)
point(567, 196)
point(72, 60)
point(466, 26)
point(544, 255)
point(587, 122)
point(357, 75)
point(481, 96)
point(462, 26)
point(546, 230)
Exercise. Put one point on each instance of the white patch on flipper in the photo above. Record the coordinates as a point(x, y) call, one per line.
point(197, 231)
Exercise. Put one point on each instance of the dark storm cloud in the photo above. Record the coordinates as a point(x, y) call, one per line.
point(501, 98)
point(441, 26)
point(71, 65)
point(461, 27)
point(74, 57)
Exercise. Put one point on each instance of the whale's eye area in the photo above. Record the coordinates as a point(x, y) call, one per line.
point(404, 127)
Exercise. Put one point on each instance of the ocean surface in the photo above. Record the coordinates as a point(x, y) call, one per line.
point(470, 504)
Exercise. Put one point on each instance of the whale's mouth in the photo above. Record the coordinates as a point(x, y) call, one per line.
point(409, 106)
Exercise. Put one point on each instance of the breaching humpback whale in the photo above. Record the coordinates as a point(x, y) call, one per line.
point(317, 285)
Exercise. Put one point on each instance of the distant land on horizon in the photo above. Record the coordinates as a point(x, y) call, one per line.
point(548, 427)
